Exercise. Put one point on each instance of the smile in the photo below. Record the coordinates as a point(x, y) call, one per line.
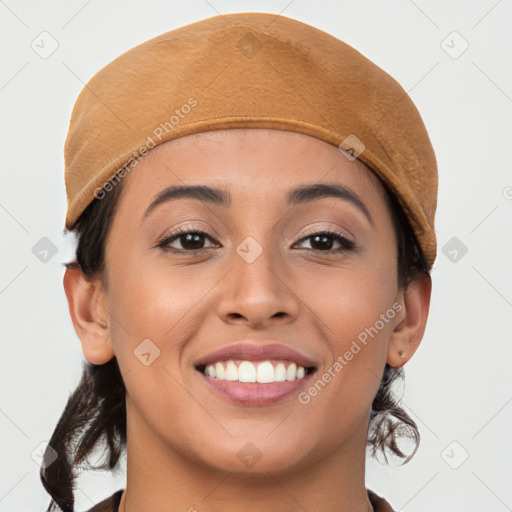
point(254, 371)
point(255, 383)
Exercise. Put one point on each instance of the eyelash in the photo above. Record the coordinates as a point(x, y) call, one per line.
point(347, 245)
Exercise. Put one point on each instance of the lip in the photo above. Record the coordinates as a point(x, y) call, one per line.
point(262, 350)
point(252, 393)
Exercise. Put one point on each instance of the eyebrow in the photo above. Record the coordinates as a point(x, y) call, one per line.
point(222, 197)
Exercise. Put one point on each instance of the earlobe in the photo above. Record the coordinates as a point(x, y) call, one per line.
point(88, 312)
point(408, 333)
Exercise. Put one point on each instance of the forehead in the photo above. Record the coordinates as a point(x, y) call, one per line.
point(253, 163)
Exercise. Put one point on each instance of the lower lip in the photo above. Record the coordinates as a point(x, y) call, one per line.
point(254, 393)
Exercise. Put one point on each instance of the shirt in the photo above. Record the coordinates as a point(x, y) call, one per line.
point(111, 504)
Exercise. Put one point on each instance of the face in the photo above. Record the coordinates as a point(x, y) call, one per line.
point(254, 265)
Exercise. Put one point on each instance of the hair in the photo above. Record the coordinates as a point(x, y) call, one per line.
point(95, 413)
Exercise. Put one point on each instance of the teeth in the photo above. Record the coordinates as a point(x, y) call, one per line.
point(291, 372)
point(231, 371)
point(280, 373)
point(219, 371)
point(265, 372)
point(249, 371)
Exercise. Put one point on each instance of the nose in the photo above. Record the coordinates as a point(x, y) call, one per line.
point(258, 292)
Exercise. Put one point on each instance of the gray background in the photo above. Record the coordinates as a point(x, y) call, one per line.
point(458, 385)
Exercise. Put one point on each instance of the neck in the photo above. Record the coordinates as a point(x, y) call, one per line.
point(159, 479)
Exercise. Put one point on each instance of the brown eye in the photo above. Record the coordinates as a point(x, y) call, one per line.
point(191, 241)
point(324, 241)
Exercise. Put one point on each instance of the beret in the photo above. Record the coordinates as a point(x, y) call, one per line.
point(252, 70)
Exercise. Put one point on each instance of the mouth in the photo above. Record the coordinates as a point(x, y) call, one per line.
point(251, 374)
point(263, 372)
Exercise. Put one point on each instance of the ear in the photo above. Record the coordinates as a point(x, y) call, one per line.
point(408, 333)
point(87, 307)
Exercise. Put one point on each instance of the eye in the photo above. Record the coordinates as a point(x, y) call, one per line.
point(322, 242)
point(190, 239)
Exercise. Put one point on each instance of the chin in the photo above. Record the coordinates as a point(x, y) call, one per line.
point(255, 457)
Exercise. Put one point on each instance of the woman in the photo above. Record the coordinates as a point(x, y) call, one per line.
point(254, 204)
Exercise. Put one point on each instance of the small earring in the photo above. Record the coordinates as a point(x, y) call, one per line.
point(401, 354)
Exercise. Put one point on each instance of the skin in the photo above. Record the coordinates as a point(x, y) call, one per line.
point(182, 438)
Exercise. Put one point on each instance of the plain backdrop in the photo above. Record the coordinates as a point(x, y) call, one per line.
point(453, 57)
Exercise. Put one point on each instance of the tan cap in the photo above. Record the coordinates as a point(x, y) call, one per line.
point(253, 70)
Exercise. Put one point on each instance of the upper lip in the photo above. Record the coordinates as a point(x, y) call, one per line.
point(261, 350)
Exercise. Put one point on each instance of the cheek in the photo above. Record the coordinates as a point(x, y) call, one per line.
point(347, 302)
point(141, 293)
point(151, 309)
point(357, 318)
point(157, 302)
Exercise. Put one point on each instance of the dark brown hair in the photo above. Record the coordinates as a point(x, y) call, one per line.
point(95, 414)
